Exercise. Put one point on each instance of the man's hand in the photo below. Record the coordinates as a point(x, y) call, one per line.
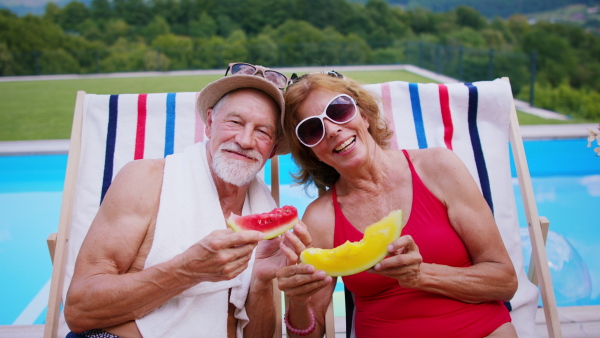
point(274, 254)
point(222, 255)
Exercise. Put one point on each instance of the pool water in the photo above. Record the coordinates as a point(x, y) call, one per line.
point(566, 182)
point(30, 201)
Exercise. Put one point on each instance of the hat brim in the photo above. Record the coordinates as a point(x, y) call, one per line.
point(214, 91)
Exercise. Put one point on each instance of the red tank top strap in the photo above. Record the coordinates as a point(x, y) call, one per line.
point(410, 165)
point(344, 230)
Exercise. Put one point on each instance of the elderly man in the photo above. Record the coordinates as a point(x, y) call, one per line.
point(159, 260)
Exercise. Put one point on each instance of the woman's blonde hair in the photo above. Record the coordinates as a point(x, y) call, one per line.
point(312, 170)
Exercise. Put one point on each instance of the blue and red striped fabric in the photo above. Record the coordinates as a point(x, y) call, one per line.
point(117, 129)
point(138, 126)
point(471, 119)
point(430, 112)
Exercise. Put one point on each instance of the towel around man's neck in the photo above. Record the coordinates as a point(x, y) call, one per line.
point(190, 210)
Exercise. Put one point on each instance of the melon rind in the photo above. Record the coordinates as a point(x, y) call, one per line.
point(233, 222)
point(281, 229)
point(354, 257)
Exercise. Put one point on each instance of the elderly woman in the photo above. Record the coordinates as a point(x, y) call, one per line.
point(449, 272)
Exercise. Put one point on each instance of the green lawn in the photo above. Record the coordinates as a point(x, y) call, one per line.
point(43, 110)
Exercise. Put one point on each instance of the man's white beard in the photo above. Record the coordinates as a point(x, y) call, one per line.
point(233, 171)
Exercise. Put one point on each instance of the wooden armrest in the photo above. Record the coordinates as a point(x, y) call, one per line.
point(278, 317)
point(330, 321)
point(51, 241)
point(544, 225)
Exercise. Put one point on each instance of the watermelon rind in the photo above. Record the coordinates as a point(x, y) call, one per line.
point(239, 223)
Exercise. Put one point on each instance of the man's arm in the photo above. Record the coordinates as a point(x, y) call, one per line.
point(110, 287)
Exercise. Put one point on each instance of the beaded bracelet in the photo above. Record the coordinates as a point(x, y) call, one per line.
point(305, 332)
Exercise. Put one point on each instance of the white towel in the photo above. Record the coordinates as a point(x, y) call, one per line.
point(189, 211)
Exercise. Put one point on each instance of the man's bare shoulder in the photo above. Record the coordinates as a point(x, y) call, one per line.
point(143, 168)
point(137, 183)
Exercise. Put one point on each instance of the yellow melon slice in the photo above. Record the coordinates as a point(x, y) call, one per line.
point(354, 257)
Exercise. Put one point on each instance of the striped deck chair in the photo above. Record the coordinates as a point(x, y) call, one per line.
point(109, 131)
point(477, 121)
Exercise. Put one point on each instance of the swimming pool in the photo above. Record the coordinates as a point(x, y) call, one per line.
point(566, 179)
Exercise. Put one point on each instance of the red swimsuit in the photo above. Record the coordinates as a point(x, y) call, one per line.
point(384, 309)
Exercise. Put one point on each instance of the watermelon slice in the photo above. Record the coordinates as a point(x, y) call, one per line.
point(271, 224)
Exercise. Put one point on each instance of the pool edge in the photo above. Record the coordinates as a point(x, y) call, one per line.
point(529, 132)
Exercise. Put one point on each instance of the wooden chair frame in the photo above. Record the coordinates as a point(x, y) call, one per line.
point(537, 226)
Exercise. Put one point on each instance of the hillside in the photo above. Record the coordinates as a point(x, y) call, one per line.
point(581, 15)
point(494, 8)
point(489, 8)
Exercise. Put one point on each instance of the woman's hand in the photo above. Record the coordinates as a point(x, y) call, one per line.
point(402, 264)
point(299, 282)
point(274, 254)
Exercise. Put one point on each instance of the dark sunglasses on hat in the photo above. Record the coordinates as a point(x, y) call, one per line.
point(295, 78)
point(241, 68)
point(341, 109)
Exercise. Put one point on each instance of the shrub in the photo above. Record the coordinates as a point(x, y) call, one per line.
point(581, 103)
point(58, 62)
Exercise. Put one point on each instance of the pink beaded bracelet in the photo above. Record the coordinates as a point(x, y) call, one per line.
point(305, 332)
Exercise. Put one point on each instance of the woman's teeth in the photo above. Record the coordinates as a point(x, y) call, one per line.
point(343, 146)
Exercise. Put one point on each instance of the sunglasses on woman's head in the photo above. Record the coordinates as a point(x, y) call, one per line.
point(240, 68)
point(341, 109)
point(295, 78)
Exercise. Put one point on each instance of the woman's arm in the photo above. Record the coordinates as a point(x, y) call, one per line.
point(305, 288)
point(492, 275)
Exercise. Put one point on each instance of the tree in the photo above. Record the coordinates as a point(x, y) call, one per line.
point(469, 17)
point(209, 53)
point(518, 25)
point(235, 47)
point(390, 26)
point(502, 26)
point(299, 42)
point(124, 56)
point(360, 22)
point(73, 14)
point(422, 21)
point(466, 36)
point(90, 30)
point(100, 10)
point(556, 59)
point(356, 51)
point(225, 25)
point(262, 50)
point(158, 26)
point(177, 48)
point(494, 39)
point(7, 62)
point(134, 12)
point(115, 29)
point(204, 27)
point(52, 12)
point(58, 62)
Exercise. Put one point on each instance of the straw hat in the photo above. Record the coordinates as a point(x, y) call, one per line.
point(211, 94)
